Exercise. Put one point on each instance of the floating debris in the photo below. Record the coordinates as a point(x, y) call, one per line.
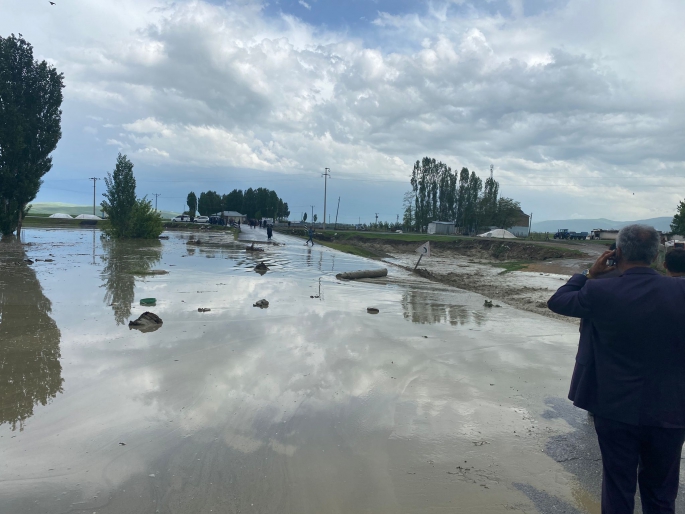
point(355, 275)
point(372, 310)
point(147, 322)
point(262, 304)
point(203, 309)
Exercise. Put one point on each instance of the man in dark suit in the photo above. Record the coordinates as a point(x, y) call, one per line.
point(637, 389)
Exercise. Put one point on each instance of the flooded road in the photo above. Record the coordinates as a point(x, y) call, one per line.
point(312, 405)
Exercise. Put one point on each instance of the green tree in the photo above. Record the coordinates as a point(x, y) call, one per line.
point(209, 203)
point(30, 121)
point(191, 200)
point(129, 217)
point(678, 223)
point(315, 218)
point(233, 201)
point(508, 211)
point(488, 203)
point(461, 196)
point(304, 217)
point(120, 196)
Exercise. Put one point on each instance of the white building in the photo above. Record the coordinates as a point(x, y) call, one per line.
point(441, 227)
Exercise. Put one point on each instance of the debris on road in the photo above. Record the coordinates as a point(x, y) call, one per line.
point(147, 322)
point(261, 268)
point(354, 275)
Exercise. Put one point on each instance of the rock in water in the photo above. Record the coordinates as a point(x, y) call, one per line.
point(147, 322)
point(203, 309)
point(372, 310)
point(262, 304)
point(487, 303)
point(261, 267)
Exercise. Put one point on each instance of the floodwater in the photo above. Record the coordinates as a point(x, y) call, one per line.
point(436, 404)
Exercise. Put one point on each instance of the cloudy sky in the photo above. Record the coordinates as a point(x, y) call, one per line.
point(578, 104)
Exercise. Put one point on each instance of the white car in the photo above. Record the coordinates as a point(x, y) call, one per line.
point(182, 218)
point(202, 219)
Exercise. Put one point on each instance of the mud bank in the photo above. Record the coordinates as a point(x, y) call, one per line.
point(519, 273)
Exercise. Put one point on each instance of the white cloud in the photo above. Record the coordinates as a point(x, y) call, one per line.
point(305, 4)
point(581, 97)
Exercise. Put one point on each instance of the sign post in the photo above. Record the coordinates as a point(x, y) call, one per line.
point(424, 249)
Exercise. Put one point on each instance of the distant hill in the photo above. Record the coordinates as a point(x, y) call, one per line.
point(75, 210)
point(585, 225)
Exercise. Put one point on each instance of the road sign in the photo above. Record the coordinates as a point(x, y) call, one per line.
point(425, 249)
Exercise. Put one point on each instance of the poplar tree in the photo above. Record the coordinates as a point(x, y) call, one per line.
point(30, 127)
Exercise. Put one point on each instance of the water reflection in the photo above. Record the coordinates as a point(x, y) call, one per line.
point(30, 369)
point(122, 259)
point(422, 307)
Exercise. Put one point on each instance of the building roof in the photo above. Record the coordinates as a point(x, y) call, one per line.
point(229, 214)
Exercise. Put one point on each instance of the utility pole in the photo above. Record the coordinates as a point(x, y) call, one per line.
point(336, 214)
point(94, 179)
point(312, 214)
point(156, 195)
point(327, 173)
point(376, 221)
point(398, 219)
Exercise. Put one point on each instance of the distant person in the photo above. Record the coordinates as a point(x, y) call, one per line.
point(638, 384)
point(311, 236)
point(675, 263)
point(269, 232)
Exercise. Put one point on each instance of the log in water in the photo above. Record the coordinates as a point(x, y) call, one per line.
point(354, 275)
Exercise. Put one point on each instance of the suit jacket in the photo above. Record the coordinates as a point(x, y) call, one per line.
point(637, 345)
point(583, 389)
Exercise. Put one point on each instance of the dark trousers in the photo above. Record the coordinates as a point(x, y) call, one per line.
point(631, 455)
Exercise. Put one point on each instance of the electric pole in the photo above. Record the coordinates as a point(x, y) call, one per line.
point(336, 214)
point(327, 173)
point(156, 195)
point(376, 221)
point(94, 179)
point(312, 214)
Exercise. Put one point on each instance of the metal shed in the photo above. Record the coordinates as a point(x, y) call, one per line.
point(441, 227)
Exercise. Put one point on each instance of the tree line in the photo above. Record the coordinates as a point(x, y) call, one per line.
point(440, 194)
point(254, 203)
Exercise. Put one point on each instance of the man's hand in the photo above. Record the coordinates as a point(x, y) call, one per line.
point(600, 266)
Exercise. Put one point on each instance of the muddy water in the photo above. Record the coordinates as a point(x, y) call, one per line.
point(436, 404)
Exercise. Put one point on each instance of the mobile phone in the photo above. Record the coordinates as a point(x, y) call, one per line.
point(612, 261)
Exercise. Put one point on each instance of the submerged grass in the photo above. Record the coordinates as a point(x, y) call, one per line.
point(512, 266)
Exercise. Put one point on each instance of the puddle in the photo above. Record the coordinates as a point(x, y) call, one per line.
point(312, 405)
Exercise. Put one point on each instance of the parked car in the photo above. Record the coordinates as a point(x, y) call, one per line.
point(202, 219)
point(183, 218)
point(216, 220)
